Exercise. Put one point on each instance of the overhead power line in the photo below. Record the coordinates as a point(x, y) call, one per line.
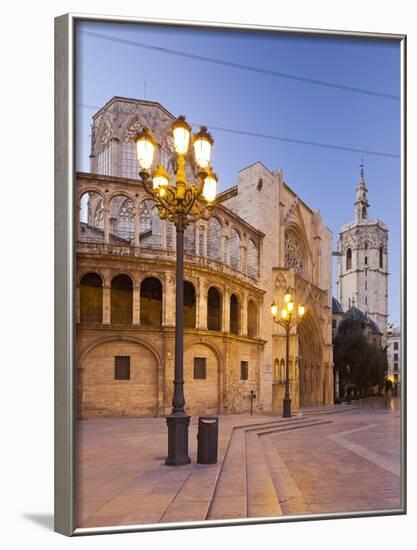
point(240, 66)
point(280, 138)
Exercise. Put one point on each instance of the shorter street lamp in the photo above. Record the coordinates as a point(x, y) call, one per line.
point(288, 319)
point(181, 202)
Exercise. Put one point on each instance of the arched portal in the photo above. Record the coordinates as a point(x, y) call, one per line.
point(310, 351)
point(118, 378)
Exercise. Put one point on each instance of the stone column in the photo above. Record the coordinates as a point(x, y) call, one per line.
point(77, 221)
point(197, 240)
point(244, 315)
point(205, 249)
point(201, 321)
point(136, 240)
point(226, 310)
point(164, 234)
point(106, 305)
point(106, 223)
point(136, 305)
point(168, 301)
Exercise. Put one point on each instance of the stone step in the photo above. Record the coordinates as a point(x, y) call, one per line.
point(229, 495)
point(298, 426)
point(261, 496)
point(338, 410)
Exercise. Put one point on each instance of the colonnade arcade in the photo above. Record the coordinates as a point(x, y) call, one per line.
point(146, 299)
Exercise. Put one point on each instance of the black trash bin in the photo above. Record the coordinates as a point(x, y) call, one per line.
point(208, 434)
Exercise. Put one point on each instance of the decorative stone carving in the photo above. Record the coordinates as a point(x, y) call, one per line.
point(280, 280)
point(294, 253)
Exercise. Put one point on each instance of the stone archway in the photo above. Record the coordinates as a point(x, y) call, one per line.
point(118, 378)
point(310, 351)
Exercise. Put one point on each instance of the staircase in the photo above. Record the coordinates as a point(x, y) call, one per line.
point(252, 480)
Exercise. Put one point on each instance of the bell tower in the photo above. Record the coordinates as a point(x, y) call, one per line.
point(363, 261)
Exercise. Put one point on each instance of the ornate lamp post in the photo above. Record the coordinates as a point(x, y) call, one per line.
point(288, 319)
point(180, 202)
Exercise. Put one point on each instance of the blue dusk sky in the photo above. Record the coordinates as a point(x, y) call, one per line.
point(251, 101)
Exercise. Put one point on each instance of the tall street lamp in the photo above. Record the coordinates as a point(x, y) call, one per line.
point(288, 319)
point(180, 202)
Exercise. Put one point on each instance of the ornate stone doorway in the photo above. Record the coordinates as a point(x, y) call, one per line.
point(310, 350)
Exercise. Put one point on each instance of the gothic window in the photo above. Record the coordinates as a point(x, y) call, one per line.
point(294, 253)
point(381, 257)
point(145, 217)
point(214, 237)
point(104, 156)
point(126, 225)
point(130, 167)
point(234, 249)
point(99, 215)
point(348, 258)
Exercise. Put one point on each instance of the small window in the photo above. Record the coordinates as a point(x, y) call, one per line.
point(396, 366)
point(334, 322)
point(366, 300)
point(395, 356)
point(381, 257)
point(244, 370)
point(349, 259)
point(395, 345)
point(122, 367)
point(200, 368)
point(395, 377)
point(366, 260)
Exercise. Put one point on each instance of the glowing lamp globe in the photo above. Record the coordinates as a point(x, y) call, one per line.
point(145, 148)
point(181, 132)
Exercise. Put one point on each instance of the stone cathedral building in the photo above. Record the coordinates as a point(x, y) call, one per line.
point(262, 238)
point(363, 262)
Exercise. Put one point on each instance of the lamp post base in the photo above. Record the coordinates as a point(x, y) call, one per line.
point(177, 440)
point(286, 413)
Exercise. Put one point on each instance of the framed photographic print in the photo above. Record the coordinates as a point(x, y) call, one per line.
point(230, 274)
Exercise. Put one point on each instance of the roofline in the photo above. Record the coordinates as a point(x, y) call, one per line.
point(132, 100)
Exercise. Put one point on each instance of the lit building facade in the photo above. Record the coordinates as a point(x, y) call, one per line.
point(261, 239)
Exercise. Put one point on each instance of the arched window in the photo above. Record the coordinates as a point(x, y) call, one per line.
point(189, 239)
point(126, 225)
point(104, 153)
point(214, 309)
point(364, 213)
point(214, 237)
point(151, 302)
point(252, 260)
point(348, 258)
point(234, 249)
point(282, 370)
point(121, 302)
point(381, 257)
point(130, 168)
point(276, 370)
point(91, 217)
point(252, 319)
point(189, 305)
point(150, 225)
point(234, 314)
point(91, 298)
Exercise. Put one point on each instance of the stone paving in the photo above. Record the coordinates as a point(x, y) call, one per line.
point(315, 462)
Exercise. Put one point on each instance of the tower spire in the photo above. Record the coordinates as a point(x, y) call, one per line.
point(361, 202)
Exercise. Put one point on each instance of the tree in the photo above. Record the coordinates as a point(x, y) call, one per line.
point(358, 362)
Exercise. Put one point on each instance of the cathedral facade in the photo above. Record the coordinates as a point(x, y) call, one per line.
point(363, 262)
point(261, 239)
